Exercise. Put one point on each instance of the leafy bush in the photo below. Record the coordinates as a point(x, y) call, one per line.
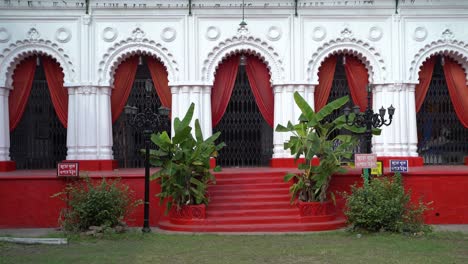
point(383, 205)
point(100, 204)
point(185, 163)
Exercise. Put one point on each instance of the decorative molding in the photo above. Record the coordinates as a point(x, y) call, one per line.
point(86, 20)
point(274, 33)
point(21, 49)
point(319, 33)
point(243, 42)
point(86, 90)
point(129, 47)
point(420, 34)
point(33, 34)
point(212, 33)
point(368, 54)
point(448, 35)
point(168, 34)
point(346, 32)
point(457, 50)
point(63, 35)
point(4, 35)
point(375, 33)
point(109, 34)
point(138, 34)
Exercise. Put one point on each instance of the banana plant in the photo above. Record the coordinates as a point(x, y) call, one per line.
point(313, 136)
point(185, 163)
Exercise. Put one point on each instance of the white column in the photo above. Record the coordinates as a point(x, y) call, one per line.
point(378, 142)
point(206, 121)
point(4, 125)
point(175, 106)
point(90, 124)
point(279, 117)
point(411, 124)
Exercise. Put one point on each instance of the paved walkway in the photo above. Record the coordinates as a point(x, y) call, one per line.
point(43, 232)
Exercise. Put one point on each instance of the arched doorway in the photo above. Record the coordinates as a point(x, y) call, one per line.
point(248, 137)
point(442, 139)
point(129, 140)
point(39, 139)
point(338, 67)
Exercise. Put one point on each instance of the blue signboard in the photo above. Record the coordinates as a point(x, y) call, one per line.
point(399, 165)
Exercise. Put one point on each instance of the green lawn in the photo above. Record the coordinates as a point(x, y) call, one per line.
point(334, 247)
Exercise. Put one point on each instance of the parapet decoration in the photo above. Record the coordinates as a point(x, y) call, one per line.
point(243, 42)
point(458, 50)
point(347, 44)
point(137, 44)
point(33, 45)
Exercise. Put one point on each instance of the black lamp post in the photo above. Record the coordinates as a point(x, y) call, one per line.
point(148, 121)
point(369, 120)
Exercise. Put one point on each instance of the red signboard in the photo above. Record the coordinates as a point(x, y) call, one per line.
point(365, 161)
point(67, 169)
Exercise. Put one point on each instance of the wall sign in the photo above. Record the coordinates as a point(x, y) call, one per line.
point(68, 169)
point(365, 161)
point(399, 165)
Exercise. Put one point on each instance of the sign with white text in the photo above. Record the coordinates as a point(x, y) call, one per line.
point(67, 169)
point(365, 161)
point(399, 165)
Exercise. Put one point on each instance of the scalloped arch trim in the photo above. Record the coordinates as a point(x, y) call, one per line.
point(457, 50)
point(129, 47)
point(364, 51)
point(238, 44)
point(16, 52)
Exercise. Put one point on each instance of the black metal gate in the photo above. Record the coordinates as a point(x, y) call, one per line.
point(339, 89)
point(39, 140)
point(128, 140)
point(442, 138)
point(248, 137)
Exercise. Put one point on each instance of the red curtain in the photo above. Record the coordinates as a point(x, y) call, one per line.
point(222, 87)
point(358, 79)
point(58, 93)
point(160, 80)
point(322, 90)
point(259, 80)
point(23, 77)
point(123, 82)
point(458, 90)
point(425, 76)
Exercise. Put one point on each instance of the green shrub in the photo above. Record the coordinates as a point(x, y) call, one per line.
point(104, 203)
point(383, 205)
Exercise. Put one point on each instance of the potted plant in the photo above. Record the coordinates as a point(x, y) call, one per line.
point(185, 167)
point(314, 136)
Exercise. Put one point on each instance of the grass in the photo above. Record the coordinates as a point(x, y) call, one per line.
point(333, 247)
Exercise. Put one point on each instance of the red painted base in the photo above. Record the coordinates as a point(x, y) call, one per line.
point(466, 160)
point(96, 165)
point(290, 162)
point(7, 165)
point(212, 163)
point(412, 161)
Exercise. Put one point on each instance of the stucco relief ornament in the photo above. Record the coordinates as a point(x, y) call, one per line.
point(33, 34)
point(447, 35)
point(346, 33)
point(4, 35)
point(243, 31)
point(86, 19)
point(138, 34)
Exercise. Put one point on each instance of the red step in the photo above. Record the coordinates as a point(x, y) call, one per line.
point(252, 200)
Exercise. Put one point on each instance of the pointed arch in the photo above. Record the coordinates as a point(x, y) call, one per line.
point(130, 47)
point(18, 51)
point(365, 52)
point(456, 50)
point(243, 44)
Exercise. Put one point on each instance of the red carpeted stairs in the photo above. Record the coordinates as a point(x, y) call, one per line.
point(251, 200)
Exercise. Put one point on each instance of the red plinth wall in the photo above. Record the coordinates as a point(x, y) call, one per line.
point(25, 196)
point(7, 166)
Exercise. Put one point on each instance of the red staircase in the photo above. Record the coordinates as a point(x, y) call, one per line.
point(251, 200)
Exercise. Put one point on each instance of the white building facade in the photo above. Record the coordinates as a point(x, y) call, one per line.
point(89, 40)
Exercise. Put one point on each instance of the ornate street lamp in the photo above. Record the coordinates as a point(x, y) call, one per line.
point(369, 120)
point(148, 121)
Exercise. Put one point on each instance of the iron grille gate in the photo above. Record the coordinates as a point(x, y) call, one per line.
point(442, 138)
point(128, 140)
point(339, 89)
point(39, 140)
point(248, 137)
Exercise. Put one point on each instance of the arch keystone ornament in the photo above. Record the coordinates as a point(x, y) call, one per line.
point(368, 55)
point(447, 46)
point(132, 46)
point(243, 42)
point(21, 49)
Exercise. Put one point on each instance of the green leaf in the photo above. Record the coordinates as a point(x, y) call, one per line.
point(181, 135)
point(330, 107)
point(307, 111)
point(186, 120)
point(198, 131)
point(281, 128)
point(217, 168)
point(289, 176)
